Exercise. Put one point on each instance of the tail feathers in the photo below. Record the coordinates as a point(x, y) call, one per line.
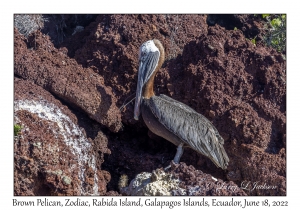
point(222, 159)
point(222, 155)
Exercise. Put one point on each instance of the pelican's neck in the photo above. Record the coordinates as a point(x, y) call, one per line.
point(148, 91)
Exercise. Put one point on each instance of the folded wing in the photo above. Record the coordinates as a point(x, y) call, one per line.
point(191, 127)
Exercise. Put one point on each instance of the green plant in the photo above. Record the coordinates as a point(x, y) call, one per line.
point(17, 129)
point(276, 31)
point(253, 41)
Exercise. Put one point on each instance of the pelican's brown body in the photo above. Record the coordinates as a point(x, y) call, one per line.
point(153, 123)
point(173, 120)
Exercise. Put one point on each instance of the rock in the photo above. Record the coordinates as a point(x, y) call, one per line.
point(180, 180)
point(56, 72)
point(157, 183)
point(66, 180)
point(52, 154)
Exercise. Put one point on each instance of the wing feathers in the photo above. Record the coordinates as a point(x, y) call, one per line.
point(191, 127)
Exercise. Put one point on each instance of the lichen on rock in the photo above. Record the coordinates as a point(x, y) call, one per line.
point(157, 183)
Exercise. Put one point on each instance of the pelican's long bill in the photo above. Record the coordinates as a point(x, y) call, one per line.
point(148, 57)
point(140, 85)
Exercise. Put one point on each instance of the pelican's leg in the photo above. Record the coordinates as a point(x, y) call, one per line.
point(178, 153)
point(177, 156)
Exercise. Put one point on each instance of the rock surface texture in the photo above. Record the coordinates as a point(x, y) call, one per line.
point(180, 180)
point(85, 82)
point(52, 154)
point(53, 70)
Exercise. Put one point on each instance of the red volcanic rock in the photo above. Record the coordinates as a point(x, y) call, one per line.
point(244, 86)
point(197, 183)
point(52, 155)
point(39, 61)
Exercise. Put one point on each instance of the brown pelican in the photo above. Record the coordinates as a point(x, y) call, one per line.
point(172, 119)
